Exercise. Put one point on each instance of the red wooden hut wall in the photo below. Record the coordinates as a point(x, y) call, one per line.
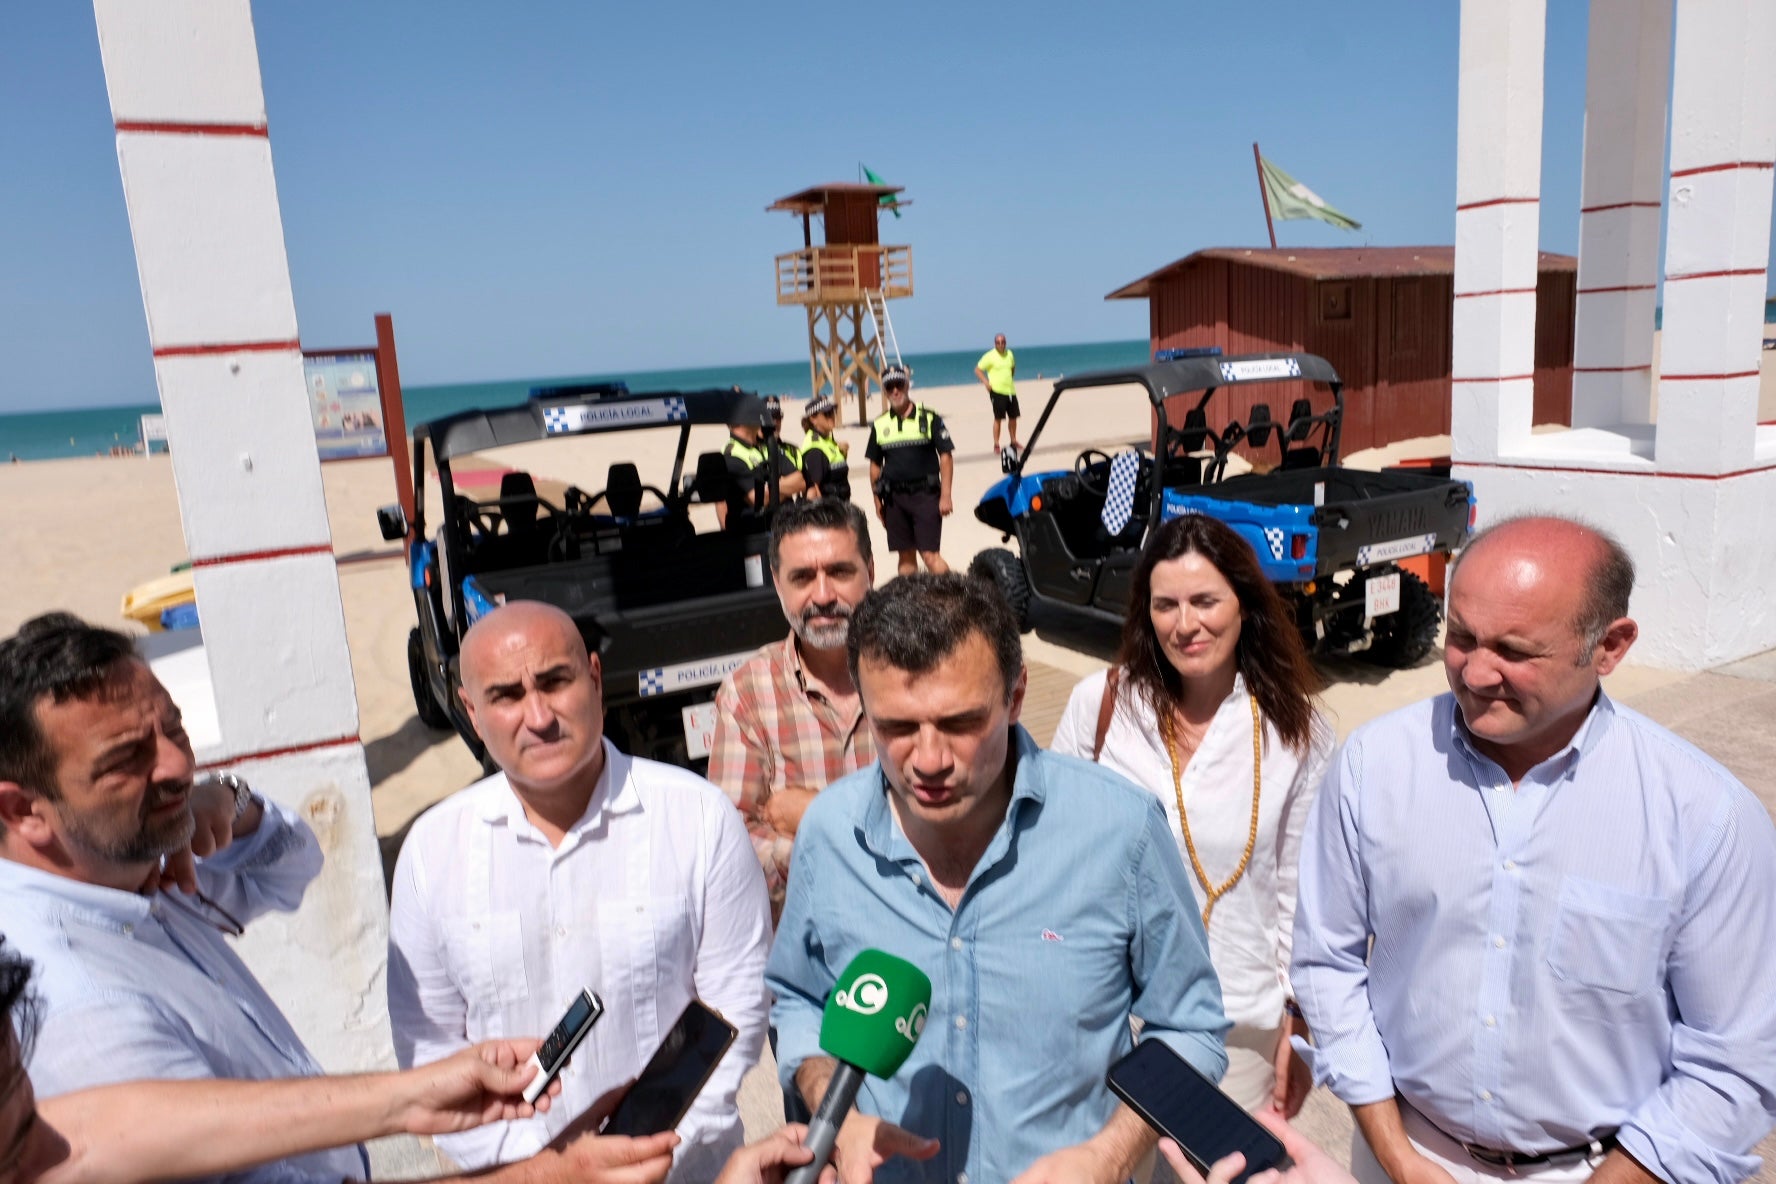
point(1386, 331)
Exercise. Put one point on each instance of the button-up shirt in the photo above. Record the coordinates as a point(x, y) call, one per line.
point(1592, 949)
point(652, 898)
point(773, 731)
point(1253, 924)
point(1077, 916)
point(133, 986)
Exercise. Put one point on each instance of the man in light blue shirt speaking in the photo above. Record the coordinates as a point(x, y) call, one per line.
point(1042, 894)
point(1573, 911)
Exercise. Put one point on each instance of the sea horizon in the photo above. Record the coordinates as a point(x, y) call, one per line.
point(89, 431)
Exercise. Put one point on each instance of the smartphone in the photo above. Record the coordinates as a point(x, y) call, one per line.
point(1176, 1100)
point(675, 1076)
point(581, 1015)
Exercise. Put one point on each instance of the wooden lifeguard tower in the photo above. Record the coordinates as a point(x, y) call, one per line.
point(845, 284)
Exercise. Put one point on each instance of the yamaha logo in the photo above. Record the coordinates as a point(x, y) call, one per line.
point(867, 996)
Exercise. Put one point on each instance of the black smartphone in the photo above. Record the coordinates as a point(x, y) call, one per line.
point(1176, 1100)
point(675, 1076)
point(582, 1013)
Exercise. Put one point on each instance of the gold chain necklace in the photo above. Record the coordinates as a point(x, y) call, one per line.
point(1168, 733)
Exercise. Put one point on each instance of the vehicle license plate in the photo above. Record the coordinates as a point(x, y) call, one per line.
point(1381, 595)
point(699, 725)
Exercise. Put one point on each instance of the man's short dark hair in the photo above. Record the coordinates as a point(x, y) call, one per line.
point(18, 1007)
point(825, 513)
point(913, 622)
point(57, 657)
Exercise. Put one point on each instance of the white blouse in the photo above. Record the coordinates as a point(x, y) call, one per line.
point(1251, 930)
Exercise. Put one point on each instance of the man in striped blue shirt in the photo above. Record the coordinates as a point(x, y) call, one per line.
point(1573, 911)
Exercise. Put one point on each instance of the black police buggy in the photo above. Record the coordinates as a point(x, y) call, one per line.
point(1331, 538)
point(669, 608)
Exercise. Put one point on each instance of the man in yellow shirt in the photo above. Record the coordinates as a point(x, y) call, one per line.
point(997, 370)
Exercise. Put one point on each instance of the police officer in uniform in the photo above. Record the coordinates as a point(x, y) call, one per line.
point(824, 466)
point(910, 469)
point(748, 452)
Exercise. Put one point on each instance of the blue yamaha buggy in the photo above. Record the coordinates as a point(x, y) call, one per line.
point(1332, 538)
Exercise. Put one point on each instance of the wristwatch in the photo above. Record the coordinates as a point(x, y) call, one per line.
point(237, 785)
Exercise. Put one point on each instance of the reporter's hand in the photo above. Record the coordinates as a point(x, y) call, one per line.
point(1311, 1165)
point(611, 1159)
point(772, 1158)
point(480, 1084)
point(865, 1143)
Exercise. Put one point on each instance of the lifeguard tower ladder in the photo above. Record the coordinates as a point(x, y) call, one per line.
point(845, 284)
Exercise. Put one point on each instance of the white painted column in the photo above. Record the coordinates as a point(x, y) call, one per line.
point(195, 156)
point(1723, 142)
point(1498, 202)
point(1627, 75)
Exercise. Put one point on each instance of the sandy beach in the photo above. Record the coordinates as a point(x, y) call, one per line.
point(83, 532)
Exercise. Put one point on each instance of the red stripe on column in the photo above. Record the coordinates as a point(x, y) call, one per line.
point(1610, 369)
point(1714, 275)
point(194, 129)
point(1498, 201)
point(1500, 378)
point(237, 347)
point(257, 556)
point(1620, 205)
point(1618, 288)
point(1730, 166)
point(292, 750)
point(1638, 473)
point(1707, 377)
point(1495, 292)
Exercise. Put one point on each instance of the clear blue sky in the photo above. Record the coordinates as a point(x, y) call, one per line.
point(558, 188)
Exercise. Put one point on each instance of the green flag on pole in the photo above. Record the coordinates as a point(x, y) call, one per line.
point(1289, 198)
point(887, 199)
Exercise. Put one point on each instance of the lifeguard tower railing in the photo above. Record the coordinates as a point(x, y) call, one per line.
point(843, 274)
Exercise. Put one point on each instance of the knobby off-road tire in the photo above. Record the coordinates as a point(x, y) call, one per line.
point(431, 713)
point(1406, 636)
point(1004, 571)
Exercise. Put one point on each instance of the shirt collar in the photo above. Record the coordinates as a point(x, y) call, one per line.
point(882, 834)
point(1591, 732)
point(614, 794)
point(109, 908)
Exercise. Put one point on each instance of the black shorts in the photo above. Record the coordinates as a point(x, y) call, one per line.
point(1004, 406)
point(912, 521)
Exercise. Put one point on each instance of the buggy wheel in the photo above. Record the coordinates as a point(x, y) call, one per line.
point(430, 712)
point(1005, 572)
point(1406, 636)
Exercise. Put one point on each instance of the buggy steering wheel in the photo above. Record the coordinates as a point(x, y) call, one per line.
point(1083, 466)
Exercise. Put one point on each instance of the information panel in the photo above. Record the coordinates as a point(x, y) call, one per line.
point(345, 404)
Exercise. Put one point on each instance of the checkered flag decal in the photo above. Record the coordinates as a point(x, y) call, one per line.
point(555, 420)
point(1119, 503)
point(1276, 536)
point(653, 682)
point(675, 408)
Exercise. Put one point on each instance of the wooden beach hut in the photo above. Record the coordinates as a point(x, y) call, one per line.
point(1381, 315)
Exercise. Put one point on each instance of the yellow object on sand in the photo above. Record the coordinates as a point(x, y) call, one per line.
point(145, 602)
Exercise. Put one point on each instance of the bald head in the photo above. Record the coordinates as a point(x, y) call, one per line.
point(536, 699)
point(1579, 568)
point(515, 624)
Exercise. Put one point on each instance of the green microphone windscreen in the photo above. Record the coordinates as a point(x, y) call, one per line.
point(875, 1013)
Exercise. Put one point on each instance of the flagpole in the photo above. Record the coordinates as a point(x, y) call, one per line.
point(1264, 194)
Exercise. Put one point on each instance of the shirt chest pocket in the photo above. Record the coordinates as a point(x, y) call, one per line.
point(487, 960)
point(650, 936)
point(1607, 938)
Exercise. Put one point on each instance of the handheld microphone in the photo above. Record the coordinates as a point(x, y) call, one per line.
point(872, 1020)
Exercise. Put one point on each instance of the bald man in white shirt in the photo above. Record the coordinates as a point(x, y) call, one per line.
point(576, 867)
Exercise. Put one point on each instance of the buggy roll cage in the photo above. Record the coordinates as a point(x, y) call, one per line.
point(1163, 380)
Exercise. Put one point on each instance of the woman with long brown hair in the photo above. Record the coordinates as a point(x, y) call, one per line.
point(1211, 707)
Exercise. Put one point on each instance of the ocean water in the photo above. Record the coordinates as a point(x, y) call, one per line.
point(44, 435)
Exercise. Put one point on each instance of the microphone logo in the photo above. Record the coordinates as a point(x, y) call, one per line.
point(912, 1024)
point(867, 996)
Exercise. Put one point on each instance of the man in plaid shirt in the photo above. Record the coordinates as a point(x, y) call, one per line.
point(789, 722)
